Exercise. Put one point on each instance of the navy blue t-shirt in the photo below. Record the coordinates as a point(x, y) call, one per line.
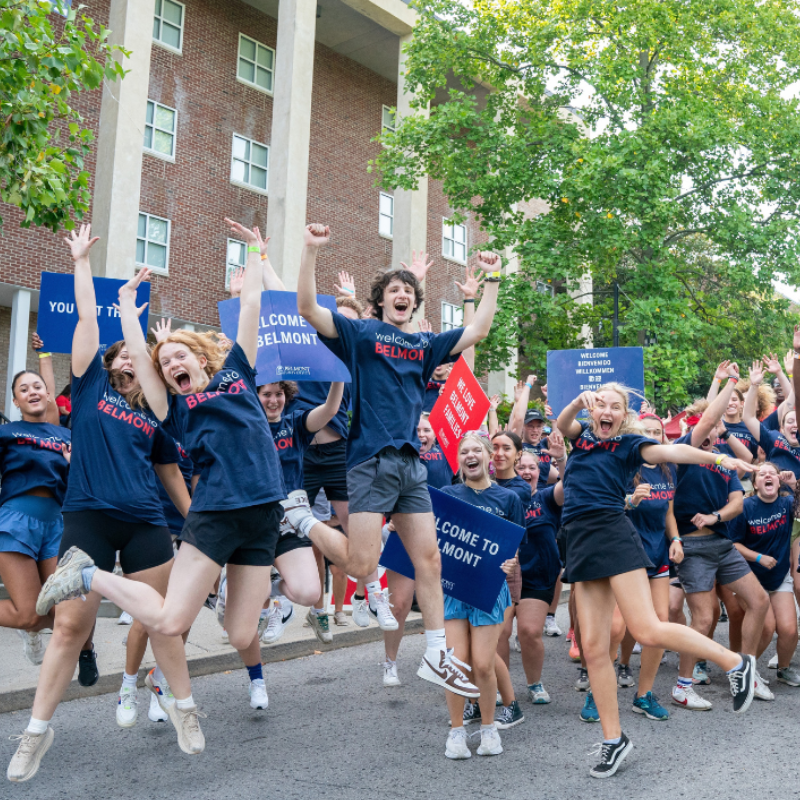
point(174, 517)
point(773, 421)
point(650, 516)
point(538, 553)
point(225, 432)
point(113, 452)
point(521, 488)
point(439, 472)
point(779, 451)
point(496, 500)
point(702, 489)
point(598, 472)
point(390, 370)
point(767, 528)
point(315, 393)
point(546, 465)
point(432, 391)
point(292, 438)
point(742, 433)
point(31, 456)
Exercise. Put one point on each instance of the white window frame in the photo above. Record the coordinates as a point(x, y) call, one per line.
point(140, 264)
point(452, 316)
point(446, 224)
point(174, 134)
point(382, 216)
point(230, 266)
point(249, 162)
point(384, 127)
point(171, 48)
point(255, 63)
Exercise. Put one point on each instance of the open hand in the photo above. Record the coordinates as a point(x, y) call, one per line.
point(81, 243)
point(162, 329)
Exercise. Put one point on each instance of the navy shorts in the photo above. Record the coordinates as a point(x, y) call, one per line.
point(32, 526)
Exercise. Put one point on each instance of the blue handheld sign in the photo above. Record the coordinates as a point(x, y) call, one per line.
point(289, 349)
point(570, 372)
point(58, 314)
point(473, 544)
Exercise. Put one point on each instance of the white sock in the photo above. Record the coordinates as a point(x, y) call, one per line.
point(129, 681)
point(375, 586)
point(186, 704)
point(613, 741)
point(435, 640)
point(318, 611)
point(158, 676)
point(277, 589)
point(37, 726)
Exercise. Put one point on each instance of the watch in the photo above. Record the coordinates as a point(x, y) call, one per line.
point(725, 435)
point(717, 515)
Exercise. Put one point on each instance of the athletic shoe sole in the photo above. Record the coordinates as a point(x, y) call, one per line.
point(52, 593)
point(637, 710)
point(258, 706)
point(37, 759)
point(752, 687)
point(583, 719)
point(691, 708)
point(502, 726)
point(622, 756)
point(457, 756)
point(788, 683)
point(391, 682)
point(489, 752)
point(427, 674)
point(384, 627)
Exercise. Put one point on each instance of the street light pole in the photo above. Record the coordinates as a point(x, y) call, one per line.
point(615, 321)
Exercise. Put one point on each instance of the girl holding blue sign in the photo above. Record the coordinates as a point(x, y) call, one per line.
point(473, 633)
point(607, 563)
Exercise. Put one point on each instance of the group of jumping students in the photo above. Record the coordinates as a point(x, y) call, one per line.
point(182, 483)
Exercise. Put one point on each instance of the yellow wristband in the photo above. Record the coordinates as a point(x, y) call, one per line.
point(719, 460)
point(254, 248)
point(45, 355)
point(264, 257)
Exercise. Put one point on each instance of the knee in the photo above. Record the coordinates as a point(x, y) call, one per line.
point(482, 670)
point(362, 565)
point(649, 635)
point(172, 627)
point(594, 650)
point(528, 632)
point(306, 595)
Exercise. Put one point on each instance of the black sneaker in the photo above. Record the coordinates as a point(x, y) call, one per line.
point(624, 677)
point(611, 756)
point(88, 674)
point(723, 614)
point(508, 716)
point(743, 684)
point(472, 713)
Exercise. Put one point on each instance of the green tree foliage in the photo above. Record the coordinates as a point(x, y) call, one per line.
point(46, 61)
point(665, 138)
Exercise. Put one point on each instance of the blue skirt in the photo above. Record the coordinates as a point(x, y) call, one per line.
point(457, 609)
point(32, 526)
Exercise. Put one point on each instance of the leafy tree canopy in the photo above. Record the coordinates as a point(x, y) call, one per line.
point(665, 138)
point(46, 61)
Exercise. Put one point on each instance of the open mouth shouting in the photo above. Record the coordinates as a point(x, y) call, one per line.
point(606, 426)
point(182, 380)
point(401, 306)
point(472, 466)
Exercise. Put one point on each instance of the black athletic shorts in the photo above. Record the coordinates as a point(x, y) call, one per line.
point(244, 536)
point(324, 467)
point(545, 595)
point(141, 545)
point(291, 541)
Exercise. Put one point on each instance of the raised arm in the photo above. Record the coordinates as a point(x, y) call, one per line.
point(567, 422)
point(478, 329)
point(269, 278)
point(491, 416)
point(686, 454)
point(719, 376)
point(320, 416)
point(48, 376)
point(86, 339)
point(153, 387)
point(796, 367)
point(713, 414)
point(750, 410)
point(469, 290)
point(321, 319)
point(522, 396)
point(772, 364)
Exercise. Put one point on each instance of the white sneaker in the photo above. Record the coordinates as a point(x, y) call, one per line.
point(125, 619)
point(34, 646)
point(258, 694)
point(517, 645)
point(390, 673)
point(490, 742)
point(773, 662)
point(457, 744)
point(761, 690)
point(444, 669)
point(219, 609)
point(637, 649)
point(297, 512)
point(277, 620)
point(383, 612)
point(360, 612)
point(32, 747)
point(551, 627)
point(155, 713)
point(688, 698)
point(128, 706)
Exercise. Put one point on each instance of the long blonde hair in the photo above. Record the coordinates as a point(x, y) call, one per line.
point(631, 422)
point(207, 344)
point(484, 442)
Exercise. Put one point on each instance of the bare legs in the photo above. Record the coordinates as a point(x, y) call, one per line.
point(23, 578)
point(401, 590)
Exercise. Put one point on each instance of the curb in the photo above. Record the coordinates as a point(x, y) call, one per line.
point(108, 684)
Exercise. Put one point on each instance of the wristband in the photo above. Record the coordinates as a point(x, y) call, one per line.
point(560, 460)
point(719, 459)
point(789, 375)
point(758, 558)
point(45, 355)
point(265, 257)
point(471, 300)
point(528, 385)
point(717, 380)
point(725, 436)
point(348, 290)
point(733, 378)
point(678, 539)
point(254, 248)
point(493, 277)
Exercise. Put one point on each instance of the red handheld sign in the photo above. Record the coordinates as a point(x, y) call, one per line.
point(461, 407)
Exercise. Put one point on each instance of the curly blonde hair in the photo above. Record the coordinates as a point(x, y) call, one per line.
point(765, 402)
point(208, 344)
point(631, 422)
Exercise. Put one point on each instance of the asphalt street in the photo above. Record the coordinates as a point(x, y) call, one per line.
point(333, 732)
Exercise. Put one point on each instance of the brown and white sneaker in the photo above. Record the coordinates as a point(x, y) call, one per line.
point(448, 672)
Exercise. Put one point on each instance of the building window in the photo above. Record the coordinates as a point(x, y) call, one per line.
point(387, 120)
point(250, 164)
point(452, 317)
point(152, 243)
point(237, 257)
point(386, 216)
point(545, 288)
point(454, 242)
point(159, 129)
point(256, 63)
point(168, 24)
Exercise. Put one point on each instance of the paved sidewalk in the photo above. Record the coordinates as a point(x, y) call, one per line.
point(206, 651)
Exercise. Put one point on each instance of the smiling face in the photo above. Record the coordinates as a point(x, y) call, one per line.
point(273, 399)
point(442, 372)
point(504, 455)
point(122, 365)
point(473, 460)
point(528, 469)
point(182, 369)
point(30, 396)
point(789, 428)
point(653, 429)
point(427, 438)
point(532, 431)
point(733, 412)
point(608, 414)
point(398, 302)
point(767, 482)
